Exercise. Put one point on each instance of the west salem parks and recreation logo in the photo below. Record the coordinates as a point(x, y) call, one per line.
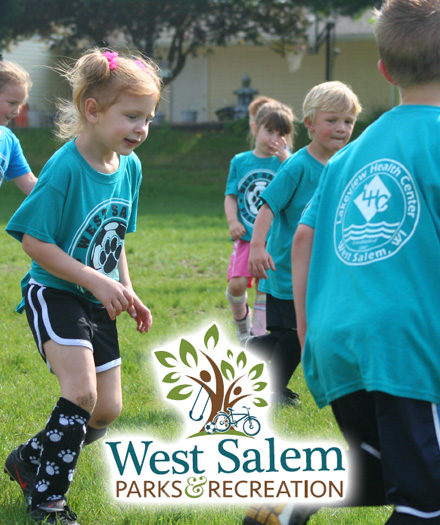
point(377, 213)
point(228, 452)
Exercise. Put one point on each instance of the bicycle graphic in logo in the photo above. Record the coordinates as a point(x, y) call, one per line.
point(223, 421)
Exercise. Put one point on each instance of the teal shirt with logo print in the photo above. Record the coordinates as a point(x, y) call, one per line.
point(248, 177)
point(287, 196)
point(373, 296)
point(82, 211)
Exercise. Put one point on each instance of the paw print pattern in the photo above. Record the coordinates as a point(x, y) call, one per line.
point(34, 460)
point(67, 455)
point(70, 475)
point(54, 435)
point(71, 420)
point(55, 497)
point(42, 485)
point(79, 419)
point(66, 420)
point(35, 444)
point(52, 469)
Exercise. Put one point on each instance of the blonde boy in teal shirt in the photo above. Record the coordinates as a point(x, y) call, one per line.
point(330, 110)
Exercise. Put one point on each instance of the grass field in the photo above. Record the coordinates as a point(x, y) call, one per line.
point(178, 260)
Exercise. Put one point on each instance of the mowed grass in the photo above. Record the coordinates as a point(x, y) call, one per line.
point(178, 260)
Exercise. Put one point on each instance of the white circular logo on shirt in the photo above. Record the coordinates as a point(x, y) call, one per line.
point(377, 214)
point(250, 187)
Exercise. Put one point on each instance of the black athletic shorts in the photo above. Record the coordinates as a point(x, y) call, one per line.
point(280, 313)
point(68, 319)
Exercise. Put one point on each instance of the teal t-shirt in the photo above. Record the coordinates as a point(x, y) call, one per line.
point(84, 212)
point(12, 161)
point(373, 296)
point(287, 196)
point(248, 177)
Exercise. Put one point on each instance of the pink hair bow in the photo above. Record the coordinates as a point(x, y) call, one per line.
point(112, 59)
point(140, 65)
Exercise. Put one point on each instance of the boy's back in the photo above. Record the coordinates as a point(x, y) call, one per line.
point(374, 275)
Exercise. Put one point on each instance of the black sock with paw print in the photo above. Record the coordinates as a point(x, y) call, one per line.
point(62, 441)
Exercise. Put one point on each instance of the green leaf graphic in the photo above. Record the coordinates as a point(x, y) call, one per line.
point(227, 368)
point(259, 402)
point(241, 360)
point(186, 348)
point(177, 395)
point(213, 334)
point(257, 370)
point(229, 354)
point(162, 356)
point(259, 386)
point(170, 379)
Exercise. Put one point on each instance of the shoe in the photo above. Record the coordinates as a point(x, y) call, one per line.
point(281, 514)
point(285, 397)
point(20, 471)
point(244, 327)
point(291, 395)
point(53, 513)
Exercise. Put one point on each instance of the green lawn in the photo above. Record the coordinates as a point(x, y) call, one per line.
point(178, 260)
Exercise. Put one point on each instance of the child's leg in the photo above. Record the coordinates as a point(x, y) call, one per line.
point(239, 280)
point(356, 417)
point(285, 359)
point(108, 404)
point(237, 298)
point(64, 434)
point(259, 322)
point(262, 346)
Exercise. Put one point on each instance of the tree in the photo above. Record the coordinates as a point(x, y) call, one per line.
point(225, 377)
point(166, 30)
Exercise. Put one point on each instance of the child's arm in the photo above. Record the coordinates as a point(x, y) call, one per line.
point(259, 258)
point(115, 297)
point(140, 313)
point(301, 253)
point(26, 182)
point(236, 229)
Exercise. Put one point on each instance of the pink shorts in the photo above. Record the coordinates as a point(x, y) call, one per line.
point(238, 263)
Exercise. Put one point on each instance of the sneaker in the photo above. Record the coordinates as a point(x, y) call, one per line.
point(53, 513)
point(280, 514)
point(286, 398)
point(20, 471)
point(244, 327)
point(291, 395)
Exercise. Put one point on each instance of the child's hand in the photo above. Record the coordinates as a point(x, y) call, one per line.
point(236, 230)
point(114, 296)
point(259, 262)
point(279, 149)
point(141, 314)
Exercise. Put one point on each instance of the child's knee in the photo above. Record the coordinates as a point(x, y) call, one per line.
point(103, 416)
point(86, 398)
point(237, 286)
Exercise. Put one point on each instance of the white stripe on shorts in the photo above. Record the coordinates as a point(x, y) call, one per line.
point(48, 326)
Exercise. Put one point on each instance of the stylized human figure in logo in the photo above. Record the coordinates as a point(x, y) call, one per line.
point(205, 376)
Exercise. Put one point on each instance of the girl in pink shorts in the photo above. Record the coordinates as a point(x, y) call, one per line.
point(250, 173)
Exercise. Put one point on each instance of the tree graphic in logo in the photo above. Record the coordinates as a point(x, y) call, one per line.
point(211, 380)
